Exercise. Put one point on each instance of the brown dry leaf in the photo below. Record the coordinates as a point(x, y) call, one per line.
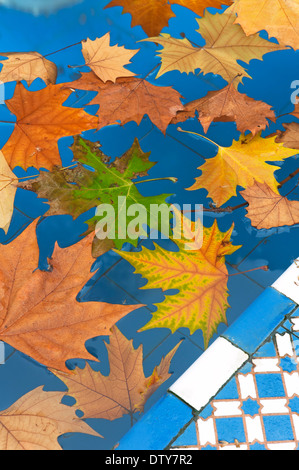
point(7, 193)
point(36, 420)
point(27, 66)
point(151, 15)
point(39, 313)
point(130, 99)
point(41, 121)
point(268, 209)
point(290, 137)
point(228, 105)
point(125, 390)
point(107, 61)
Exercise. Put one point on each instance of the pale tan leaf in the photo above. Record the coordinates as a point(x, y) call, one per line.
point(27, 66)
point(36, 420)
point(226, 45)
point(268, 209)
point(7, 193)
point(107, 61)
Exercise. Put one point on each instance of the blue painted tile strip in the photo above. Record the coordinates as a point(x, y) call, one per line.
point(158, 427)
point(155, 428)
point(263, 316)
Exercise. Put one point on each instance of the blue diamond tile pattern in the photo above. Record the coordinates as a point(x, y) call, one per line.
point(258, 409)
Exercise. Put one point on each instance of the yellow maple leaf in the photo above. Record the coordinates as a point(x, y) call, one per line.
point(107, 61)
point(280, 18)
point(226, 44)
point(200, 275)
point(241, 165)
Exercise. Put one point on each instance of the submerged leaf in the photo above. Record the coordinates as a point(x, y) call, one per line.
point(125, 390)
point(200, 275)
point(240, 165)
point(36, 421)
point(41, 121)
point(34, 317)
point(226, 45)
point(130, 99)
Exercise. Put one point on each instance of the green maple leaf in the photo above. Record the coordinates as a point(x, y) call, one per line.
point(75, 191)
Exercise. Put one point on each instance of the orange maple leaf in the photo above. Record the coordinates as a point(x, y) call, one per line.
point(152, 15)
point(39, 313)
point(41, 121)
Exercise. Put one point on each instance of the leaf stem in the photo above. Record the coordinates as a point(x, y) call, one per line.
point(199, 135)
point(264, 268)
point(166, 178)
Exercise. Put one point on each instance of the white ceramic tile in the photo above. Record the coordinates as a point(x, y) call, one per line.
point(247, 386)
point(254, 428)
point(209, 373)
point(206, 431)
point(295, 419)
point(291, 383)
point(282, 446)
point(266, 364)
point(288, 283)
point(274, 406)
point(284, 344)
point(295, 321)
point(234, 447)
point(227, 408)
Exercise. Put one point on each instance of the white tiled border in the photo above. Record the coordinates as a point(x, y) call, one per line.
point(288, 282)
point(209, 373)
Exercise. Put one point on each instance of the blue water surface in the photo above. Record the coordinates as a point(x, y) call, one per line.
point(176, 154)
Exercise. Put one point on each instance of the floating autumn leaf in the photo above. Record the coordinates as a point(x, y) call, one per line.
point(268, 209)
point(240, 165)
point(199, 275)
point(290, 137)
point(78, 190)
point(152, 15)
point(27, 66)
point(228, 105)
point(199, 6)
point(125, 390)
point(130, 99)
point(226, 44)
point(36, 420)
point(34, 317)
point(280, 18)
point(41, 121)
point(7, 193)
point(107, 61)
